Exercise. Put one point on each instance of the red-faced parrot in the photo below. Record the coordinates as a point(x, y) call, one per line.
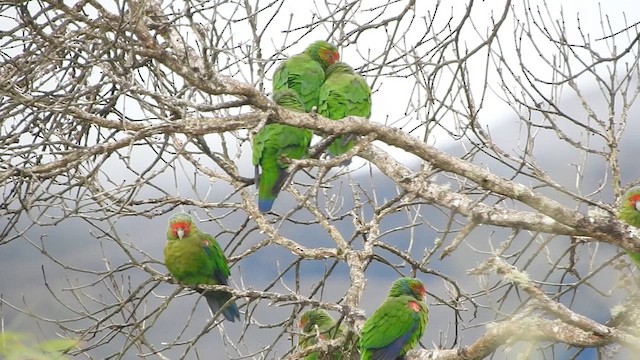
point(195, 258)
point(398, 324)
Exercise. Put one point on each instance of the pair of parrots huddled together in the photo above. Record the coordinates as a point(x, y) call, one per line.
point(313, 79)
point(195, 258)
point(393, 329)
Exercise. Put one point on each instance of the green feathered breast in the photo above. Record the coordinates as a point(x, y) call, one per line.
point(195, 258)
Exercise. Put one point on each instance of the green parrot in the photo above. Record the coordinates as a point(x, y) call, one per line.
point(304, 73)
point(630, 213)
point(318, 324)
point(344, 93)
point(398, 324)
point(315, 324)
point(195, 258)
point(274, 141)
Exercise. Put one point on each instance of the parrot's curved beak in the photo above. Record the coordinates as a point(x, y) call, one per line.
point(180, 233)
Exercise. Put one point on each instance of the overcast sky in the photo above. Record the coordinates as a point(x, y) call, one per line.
point(391, 101)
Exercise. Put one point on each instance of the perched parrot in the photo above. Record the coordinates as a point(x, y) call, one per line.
point(344, 93)
point(274, 141)
point(317, 323)
point(630, 213)
point(195, 258)
point(398, 324)
point(304, 73)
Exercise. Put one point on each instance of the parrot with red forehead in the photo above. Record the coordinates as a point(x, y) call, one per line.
point(195, 258)
point(630, 213)
point(398, 324)
point(304, 73)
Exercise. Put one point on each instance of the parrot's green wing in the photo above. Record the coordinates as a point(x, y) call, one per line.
point(216, 258)
point(390, 321)
point(218, 275)
point(303, 75)
point(394, 328)
point(343, 94)
point(629, 212)
point(273, 142)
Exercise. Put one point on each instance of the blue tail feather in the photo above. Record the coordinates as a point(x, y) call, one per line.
point(231, 312)
point(265, 204)
point(216, 299)
point(266, 197)
point(393, 350)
